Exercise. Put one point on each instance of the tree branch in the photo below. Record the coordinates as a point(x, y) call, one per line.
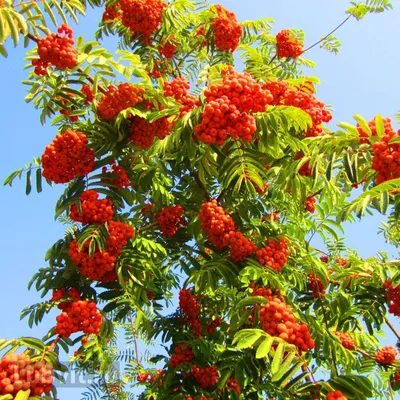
point(201, 185)
point(147, 227)
point(391, 326)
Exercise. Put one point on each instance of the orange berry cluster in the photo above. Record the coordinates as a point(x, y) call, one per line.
point(144, 132)
point(119, 99)
point(213, 325)
point(83, 316)
point(287, 45)
point(89, 94)
point(191, 308)
point(122, 180)
point(19, 372)
point(233, 385)
point(100, 266)
point(393, 297)
point(221, 231)
point(228, 106)
point(169, 220)
point(310, 204)
point(302, 98)
point(182, 354)
point(240, 246)
point(316, 286)
point(386, 158)
point(305, 169)
point(216, 222)
point(277, 319)
point(56, 50)
point(396, 377)
point(178, 89)
point(65, 111)
point(205, 377)
point(336, 395)
point(274, 254)
point(346, 340)
point(142, 377)
point(386, 355)
point(72, 295)
point(142, 17)
point(200, 398)
point(148, 208)
point(94, 211)
point(388, 129)
point(67, 157)
point(168, 48)
point(227, 30)
point(242, 90)
point(111, 13)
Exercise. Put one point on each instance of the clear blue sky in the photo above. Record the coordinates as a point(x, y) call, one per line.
point(362, 79)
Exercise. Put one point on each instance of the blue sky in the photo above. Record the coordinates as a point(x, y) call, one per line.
point(361, 79)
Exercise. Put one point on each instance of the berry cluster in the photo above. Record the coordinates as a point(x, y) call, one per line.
point(100, 266)
point(122, 180)
point(246, 94)
point(148, 208)
point(346, 340)
point(305, 169)
point(142, 377)
point(182, 354)
point(228, 108)
point(169, 220)
point(213, 325)
point(168, 48)
point(89, 94)
point(83, 316)
point(144, 132)
point(221, 231)
point(386, 159)
point(396, 377)
point(233, 385)
point(56, 50)
point(111, 13)
point(217, 223)
point(227, 30)
point(67, 157)
point(178, 89)
point(66, 111)
point(336, 395)
point(302, 98)
point(119, 99)
point(388, 130)
point(240, 246)
point(316, 286)
point(274, 254)
point(393, 298)
point(205, 377)
point(93, 211)
point(19, 372)
point(310, 204)
point(277, 319)
point(287, 45)
point(386, 355)
point(191, 308)
point(142, 17)
point(72, 295)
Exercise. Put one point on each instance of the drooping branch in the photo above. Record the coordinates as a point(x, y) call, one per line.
point(201, 185)
point(393, 329)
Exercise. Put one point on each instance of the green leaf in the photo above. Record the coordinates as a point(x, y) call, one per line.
point(28, 188)
point(265, 347)
point(276, 362)
point(22, 395)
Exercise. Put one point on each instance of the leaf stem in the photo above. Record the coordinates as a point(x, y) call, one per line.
point(330, 33)
point(135, 340)
point(201, 185)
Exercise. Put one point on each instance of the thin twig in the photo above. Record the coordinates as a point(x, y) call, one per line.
point(147, 227)
point(330, 33)
point(220, 195)
point(201, 185)
point(391, 326)
point(135, 340)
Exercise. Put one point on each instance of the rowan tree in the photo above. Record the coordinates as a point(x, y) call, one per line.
point(187, 174)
